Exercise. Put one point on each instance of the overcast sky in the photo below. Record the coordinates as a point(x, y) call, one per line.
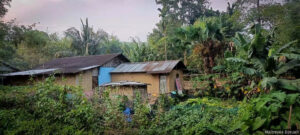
point(123, 18)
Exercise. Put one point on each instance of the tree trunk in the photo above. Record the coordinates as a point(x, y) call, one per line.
point(87, 49)
point(258, 10)
point(166, 57)
point(185, 57)
point(206, 64)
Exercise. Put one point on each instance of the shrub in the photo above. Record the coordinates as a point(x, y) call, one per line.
point(193, 118)
point(46, 108)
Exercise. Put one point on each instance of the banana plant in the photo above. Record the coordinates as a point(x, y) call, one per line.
point(269, 64)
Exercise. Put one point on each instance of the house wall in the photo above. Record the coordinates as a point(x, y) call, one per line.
point(171, 80)
point(128, 91)
point(66, 80)
point(104, 75)
point(83, 79)
point(152, 79)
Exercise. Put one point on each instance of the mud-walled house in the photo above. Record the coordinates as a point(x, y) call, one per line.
point(88, 72)
point(161, 77)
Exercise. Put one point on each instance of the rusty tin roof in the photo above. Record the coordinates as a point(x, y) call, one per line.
point(69, 65)
point(151, 67)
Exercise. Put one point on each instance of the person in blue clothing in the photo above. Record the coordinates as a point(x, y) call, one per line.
point(127, 112)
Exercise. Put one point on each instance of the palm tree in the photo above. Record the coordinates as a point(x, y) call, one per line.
point(206, 37)
point(84, 40)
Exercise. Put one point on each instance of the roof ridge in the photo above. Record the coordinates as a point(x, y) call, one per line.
point(78, 56)
point(149, 61)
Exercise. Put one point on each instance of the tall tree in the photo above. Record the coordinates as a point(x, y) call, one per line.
point(108, 44)
point(206, 37)
point(3, 7)
point(138, 51)
point(83, 40)
point(284, 19)
point(186, 11)
point(252, 9)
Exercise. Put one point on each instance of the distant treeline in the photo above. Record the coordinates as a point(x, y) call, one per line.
point(188, 30)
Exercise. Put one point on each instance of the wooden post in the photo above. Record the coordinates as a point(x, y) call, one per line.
point(290, 116)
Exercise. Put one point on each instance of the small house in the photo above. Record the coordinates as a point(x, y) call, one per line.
point(88, 72)
point(163, 77)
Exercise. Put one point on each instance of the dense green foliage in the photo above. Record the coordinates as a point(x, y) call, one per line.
point(52, 109)
point(185, 31)
point(46, 108)
point(246, 60)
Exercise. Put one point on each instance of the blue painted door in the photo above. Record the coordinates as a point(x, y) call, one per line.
point(104, 75)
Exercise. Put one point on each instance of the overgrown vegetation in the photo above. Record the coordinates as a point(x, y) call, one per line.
point(47, 108)
point(52, 109)
point(245, 59)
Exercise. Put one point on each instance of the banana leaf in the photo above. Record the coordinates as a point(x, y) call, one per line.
point(268, 81)
point(293, 85)
point(292, 98)
point(291, 55)
point(290, 65)
point(286, 46)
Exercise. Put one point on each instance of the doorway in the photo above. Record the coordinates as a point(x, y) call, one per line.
point(162, 84)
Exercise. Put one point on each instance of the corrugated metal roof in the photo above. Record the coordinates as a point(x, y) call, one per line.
point(70, 64)
point(31, 72)
point(124, 83)
point(149, 67)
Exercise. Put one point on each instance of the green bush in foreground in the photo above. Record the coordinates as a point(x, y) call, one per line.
point(214, 116)
point(46, 108)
